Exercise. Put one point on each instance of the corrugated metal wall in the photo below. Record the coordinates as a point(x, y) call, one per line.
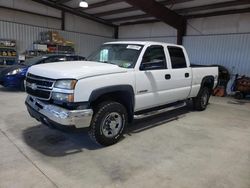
point(25, 35)
point(166, 39)
point(231, 51)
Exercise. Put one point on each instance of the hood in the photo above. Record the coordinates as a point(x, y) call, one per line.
point(74, 69)
point(6, 70)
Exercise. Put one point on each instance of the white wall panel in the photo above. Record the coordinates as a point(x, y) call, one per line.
point(72, 22)
point(21, 17)
point(82, 25)
point(236, 23)
point(7, 3)
point(25, 35)
point(7, 15)
point(157, 29)
point(31, 6)
point(244, 23)
point(231, 51)
point(155, 39)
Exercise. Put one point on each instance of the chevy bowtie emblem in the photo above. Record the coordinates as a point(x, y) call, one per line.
point(33, 86)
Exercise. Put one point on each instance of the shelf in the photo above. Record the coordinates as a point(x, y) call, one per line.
point(5, 66)
point(5, 47)
point(8, 57)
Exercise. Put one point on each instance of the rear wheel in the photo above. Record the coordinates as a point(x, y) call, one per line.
point(200, 102)
point(239, 95)
point(108, 124)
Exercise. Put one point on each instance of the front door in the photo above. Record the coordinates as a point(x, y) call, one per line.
point(153, 79)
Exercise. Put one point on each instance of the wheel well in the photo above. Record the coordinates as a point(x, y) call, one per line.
point(123, 97)
point(208, 82)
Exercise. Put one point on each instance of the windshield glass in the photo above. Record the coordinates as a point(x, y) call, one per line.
point(123, 55)
point(33, 60)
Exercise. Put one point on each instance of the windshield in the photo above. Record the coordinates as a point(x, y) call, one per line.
point(123, 55)
point(33, 61)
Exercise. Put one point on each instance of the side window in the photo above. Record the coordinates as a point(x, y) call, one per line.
point(177, 57)
point(154, 58)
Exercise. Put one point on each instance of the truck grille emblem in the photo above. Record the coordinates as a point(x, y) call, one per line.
point(33, 86)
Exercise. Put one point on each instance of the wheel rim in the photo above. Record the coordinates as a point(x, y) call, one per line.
point(112, 125)
point(204, 99)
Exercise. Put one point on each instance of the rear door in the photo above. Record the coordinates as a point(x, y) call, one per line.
point(181, 73)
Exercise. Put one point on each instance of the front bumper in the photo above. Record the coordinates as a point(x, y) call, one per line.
point(48, 113)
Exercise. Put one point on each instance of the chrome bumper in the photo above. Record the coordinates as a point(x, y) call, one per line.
point(50, 113)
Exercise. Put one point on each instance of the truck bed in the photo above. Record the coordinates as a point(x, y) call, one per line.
point(198, 66)
point(199, 72)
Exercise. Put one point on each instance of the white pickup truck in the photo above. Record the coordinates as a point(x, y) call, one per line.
point(120, 82)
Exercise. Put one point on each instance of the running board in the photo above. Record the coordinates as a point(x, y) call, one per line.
point(152, 113)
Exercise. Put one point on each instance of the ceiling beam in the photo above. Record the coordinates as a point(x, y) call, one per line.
point(187, 10)
point(102, 3)
point(29, 12)
point(219, 13)
point(121, 19)
point(130, 9)
point(140, 22)
point(62, 1)
point(117, 11)
point(159, 11)
point(211, 14)
point(213, 6)
point(73, 11)
point(155, 9)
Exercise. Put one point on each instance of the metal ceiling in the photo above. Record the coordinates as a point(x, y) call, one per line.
point(119, 12)
point(173, 12)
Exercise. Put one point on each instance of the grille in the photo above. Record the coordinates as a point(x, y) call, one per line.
point(38, 86)
point(38, 93)
point(42, 83)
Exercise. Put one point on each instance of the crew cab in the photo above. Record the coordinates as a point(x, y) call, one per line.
point(118, 83)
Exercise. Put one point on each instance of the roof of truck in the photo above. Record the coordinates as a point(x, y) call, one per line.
point(141, 43)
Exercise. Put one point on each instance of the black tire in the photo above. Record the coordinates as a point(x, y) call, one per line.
point(239, 95)
point(200, 102)
point(102, 126)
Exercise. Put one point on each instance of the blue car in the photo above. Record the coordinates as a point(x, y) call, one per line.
point(13, 77)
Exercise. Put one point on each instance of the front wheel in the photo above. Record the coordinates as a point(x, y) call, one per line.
point(108, 124)
point(200, 102)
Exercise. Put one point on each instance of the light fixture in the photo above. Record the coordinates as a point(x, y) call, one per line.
point(83, 4)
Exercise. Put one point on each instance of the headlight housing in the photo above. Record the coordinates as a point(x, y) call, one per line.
point(13, 72)
point(65, 84)
point(63, 97)
point(62, 91)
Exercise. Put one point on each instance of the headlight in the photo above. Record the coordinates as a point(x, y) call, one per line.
point(63, 97)
point(13, 72)
point(65, 84)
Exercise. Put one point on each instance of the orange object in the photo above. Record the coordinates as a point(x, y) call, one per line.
point(219, 91)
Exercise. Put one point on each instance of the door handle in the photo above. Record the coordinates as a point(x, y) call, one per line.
point(167, 76)
point(186, 75)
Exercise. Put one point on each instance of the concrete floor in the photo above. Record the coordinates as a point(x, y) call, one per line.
point(181, 149)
